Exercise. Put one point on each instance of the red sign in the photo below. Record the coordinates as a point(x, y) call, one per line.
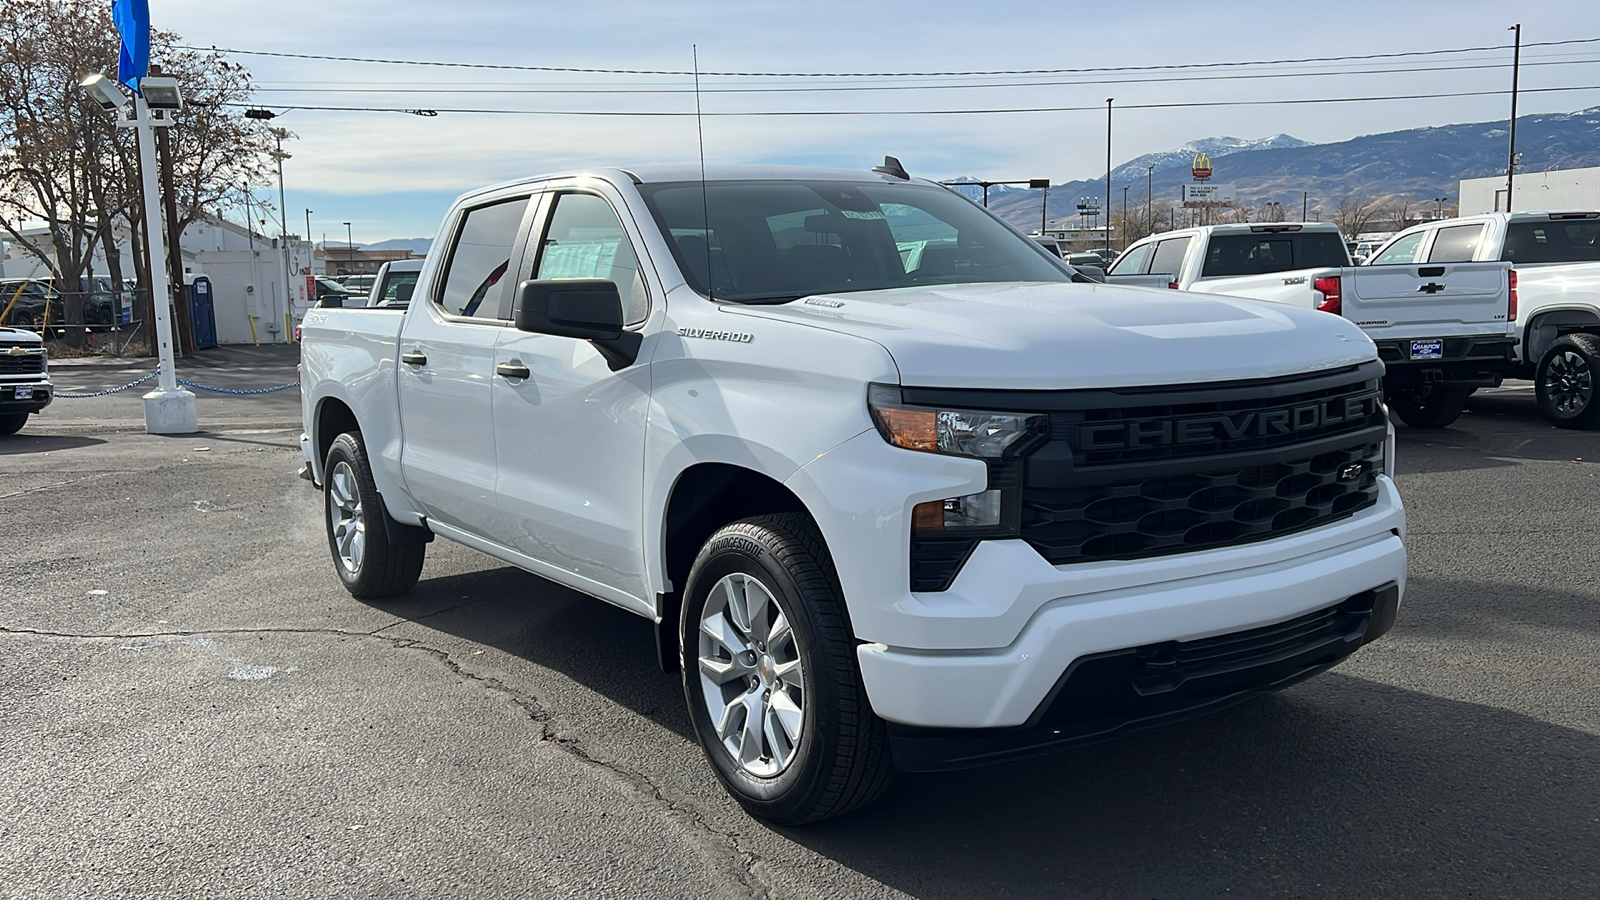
point(311, 288)
point(1202, 167)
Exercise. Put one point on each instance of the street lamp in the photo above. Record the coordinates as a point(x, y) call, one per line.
point(349, 249)
point(1440, 201)
point(168, 409)
point(1511, 151)
point(1149, 198)
point(1108, 176)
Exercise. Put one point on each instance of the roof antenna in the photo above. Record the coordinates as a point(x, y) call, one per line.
point(705, 204)
point(892, 168)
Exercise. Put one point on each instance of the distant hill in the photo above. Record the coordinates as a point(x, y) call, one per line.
point(1420, 162)
point(415, 245)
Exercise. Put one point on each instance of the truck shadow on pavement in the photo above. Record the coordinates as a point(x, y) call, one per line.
point(44, 443)
point(1340, 787)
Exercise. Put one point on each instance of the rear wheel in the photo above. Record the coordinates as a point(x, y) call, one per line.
point(1434, 406)
point(1565, 382)
point(11, 423)
point(770, 675)
point(371, 565)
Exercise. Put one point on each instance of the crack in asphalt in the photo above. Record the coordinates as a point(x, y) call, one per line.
point(741, 871)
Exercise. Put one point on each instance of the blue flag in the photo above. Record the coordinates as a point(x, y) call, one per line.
point(132, 18)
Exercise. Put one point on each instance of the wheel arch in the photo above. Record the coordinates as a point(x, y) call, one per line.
point(704, 497)
point(1547, 325)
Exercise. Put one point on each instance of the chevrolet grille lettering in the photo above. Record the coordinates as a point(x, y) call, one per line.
point(1135, 433)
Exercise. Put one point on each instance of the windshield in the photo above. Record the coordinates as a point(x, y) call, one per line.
point(778, 241)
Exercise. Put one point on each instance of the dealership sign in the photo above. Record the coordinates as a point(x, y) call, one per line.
point(1208, 195)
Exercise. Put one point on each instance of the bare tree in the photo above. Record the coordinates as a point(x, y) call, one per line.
point(1354, 214)
point(65, 164)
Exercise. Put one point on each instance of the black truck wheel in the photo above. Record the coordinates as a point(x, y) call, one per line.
point(11, 423)
point(1565, 382)
point(770, 675)
point(371, 564)
point(1431, 406)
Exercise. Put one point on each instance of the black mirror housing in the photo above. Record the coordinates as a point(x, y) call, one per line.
point(585, 308)
point(332, 301)
point(402, 293)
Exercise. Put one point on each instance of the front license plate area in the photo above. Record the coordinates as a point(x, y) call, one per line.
point(1430, 349)
point(24, 393)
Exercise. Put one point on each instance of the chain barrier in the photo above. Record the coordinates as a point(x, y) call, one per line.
point(186, 383)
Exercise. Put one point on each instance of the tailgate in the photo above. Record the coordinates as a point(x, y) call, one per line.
point(1429, 300)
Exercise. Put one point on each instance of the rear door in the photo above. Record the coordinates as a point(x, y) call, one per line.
point(447, 361)
point(1428, 299)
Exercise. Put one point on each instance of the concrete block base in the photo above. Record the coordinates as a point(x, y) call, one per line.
point(170, 412)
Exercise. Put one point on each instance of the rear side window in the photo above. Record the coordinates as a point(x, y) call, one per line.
point(1168, 259)
point(1458, 243)
point(1400, 252)
point(1132, 262)
point(1260, 254)
point(474, 283)
point(1553, 242)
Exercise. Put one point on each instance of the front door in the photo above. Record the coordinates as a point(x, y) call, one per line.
point(569, 435)
point(447, 351)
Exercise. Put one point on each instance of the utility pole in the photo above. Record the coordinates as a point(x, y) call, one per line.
point(1108, 178)
point(1149, 198)
point(1511, 154)
point(1124, 217)
point(1305, 200)
point(349, 249)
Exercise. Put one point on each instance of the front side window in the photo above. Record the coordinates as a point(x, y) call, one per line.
point(1400, 252)
point(1132, 262)
point(474, 283)
point(772, 242)
point(585, 240)
point(1458, 243)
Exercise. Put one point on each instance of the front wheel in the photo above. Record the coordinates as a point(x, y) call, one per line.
point(770, 675)
point(11, 423)
point(1428, 407)
point(371, 565)
point(1564, 384)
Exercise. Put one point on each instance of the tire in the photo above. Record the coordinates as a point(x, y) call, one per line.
point(11, 423)
point(1565, 385)
point(1428, 407)
point(371, 566)
point(821, 751)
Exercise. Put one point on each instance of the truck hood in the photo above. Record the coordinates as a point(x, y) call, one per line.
point(18, 336)
point(1059, 336)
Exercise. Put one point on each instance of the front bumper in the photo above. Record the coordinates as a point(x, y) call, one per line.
point(43, 392)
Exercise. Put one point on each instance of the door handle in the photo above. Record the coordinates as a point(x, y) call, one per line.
point(512, 370)
point(414, 358)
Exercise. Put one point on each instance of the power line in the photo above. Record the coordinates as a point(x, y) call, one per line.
point(1077, 71)
point(930, 112)
point(486, 89)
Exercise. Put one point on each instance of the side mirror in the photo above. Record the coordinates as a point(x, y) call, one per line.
point(332, 301)
point(585, 308)
point(402, 293)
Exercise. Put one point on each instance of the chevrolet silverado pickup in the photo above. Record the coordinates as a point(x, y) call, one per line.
point(897, 492)
point(1555, 294)
point(25, 386)
point(1443, 330)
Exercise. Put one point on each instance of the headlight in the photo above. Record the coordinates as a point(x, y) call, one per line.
point(960, 432)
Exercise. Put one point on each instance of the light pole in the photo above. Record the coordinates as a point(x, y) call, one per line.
point(1149, 198)
point(1305, 201)
point(1440, 201)
point(278, 134)
point(168, 409)
point(1124, 217)
point(1511, 153)
point(349, 249)
point(1108, 178)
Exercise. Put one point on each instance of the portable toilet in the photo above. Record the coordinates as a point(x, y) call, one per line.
point(202, 312)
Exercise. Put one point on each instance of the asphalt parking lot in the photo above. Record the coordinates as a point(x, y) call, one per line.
point(191, 705)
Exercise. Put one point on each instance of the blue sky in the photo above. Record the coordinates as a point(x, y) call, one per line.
point(392, 175)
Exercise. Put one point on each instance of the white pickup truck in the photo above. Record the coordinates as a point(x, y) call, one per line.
point(25, 386)
point(1555, 290)
point(897, 493)
point(1442, 330)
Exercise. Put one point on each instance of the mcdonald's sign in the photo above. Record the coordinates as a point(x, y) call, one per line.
point(1202, 167)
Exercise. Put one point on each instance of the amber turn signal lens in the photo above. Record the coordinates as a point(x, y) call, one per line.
point(913, 429)
point(928, 516)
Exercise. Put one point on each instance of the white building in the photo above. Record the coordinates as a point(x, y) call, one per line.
point(247, 272)
point(1556, 189)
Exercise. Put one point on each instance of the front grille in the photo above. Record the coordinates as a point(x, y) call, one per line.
point(1132, 518)
point(1126, 474)
point(26, 364)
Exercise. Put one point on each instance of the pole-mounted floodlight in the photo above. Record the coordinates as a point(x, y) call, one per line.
point(161, 92)
point(104, 91)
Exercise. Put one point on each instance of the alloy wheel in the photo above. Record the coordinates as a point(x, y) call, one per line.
point(344, 515)
point(1569, 382)
point(751, 675)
